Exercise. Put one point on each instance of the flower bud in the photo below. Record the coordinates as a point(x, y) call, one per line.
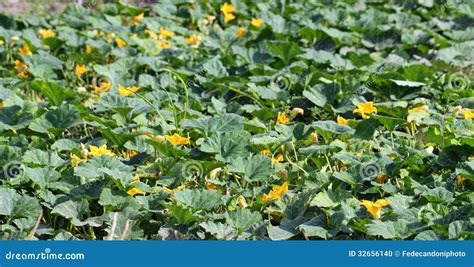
point(159, 138)
point(283, 173)
point(314, 137)
point(297, 111)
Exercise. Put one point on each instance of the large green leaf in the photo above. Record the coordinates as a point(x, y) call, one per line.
point(198, 199)
point(254, 168)
point(227, 146)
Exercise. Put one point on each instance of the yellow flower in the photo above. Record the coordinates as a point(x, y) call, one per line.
point(240, 32)
point(164, 44)
point(134, 191)
point(152, 34)
point(228, 17)
point(297, 111)
point(128, 155)
point(418, 109)
point(1, 42)
point(277, 158)
point(282, 118)
point(25, 50)
point(276, 193)
point(126, 91)
point(211, 186)
point(256, 22)
point(88, 49)
point(75, 160)
point(375, 208)
point(194, 39)
point(46, 33)
point(1, 104)
point(468, 114)
point(136, 19)
point(359, 154)
point(381, 178)
point(120, 42)
point(460, 180)
point(176, 139)
point(314, 137)
point(159, 138)
point(171, 191)
point(80, 69)
point(100, 151)
point(265, 152)
point(342, 121)
point(365, 108)
point(104, 86)
point(242, 202)
point(21, 69)
point(227, 8)
point(165, 34)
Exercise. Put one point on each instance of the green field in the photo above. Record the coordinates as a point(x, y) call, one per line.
point(308, 120)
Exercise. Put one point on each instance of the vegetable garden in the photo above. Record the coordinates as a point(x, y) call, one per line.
point(249, 120)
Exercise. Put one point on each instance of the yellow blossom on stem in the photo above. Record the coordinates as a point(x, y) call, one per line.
point(135, 191)
point(45, 34)
point(104, 86)
point(88, 49)
point(240, 32)
point(342, 121)
point(120, 42)
point(194, 39)
point(375, 208)
point(228, 17)
point(276, 193)
point(282, 118)
point(126, 91)
point(418, 109)
point(136, 19)
point(80, 69)
point(100, 151)
point(314, 137)
point(25, 50)
point(242, 202)
point(152, 34)
point(265, 152)
point(159, 138)
point(365, 108)
point(211, 186)
point(256, 22)
point(164, 44)
point(171, 191)
point(165, 34)
point(21, 69)
point(227, 8)
point(176, 139)
point(75, 160)
point(297, 111)
point(468, 114)
point(1, 42)
point(277, 158)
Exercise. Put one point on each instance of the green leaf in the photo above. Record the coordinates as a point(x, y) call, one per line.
point(198, 199)
point(223, 123)
point(228, 146)
point(284, 50)
point(218, 230)
point(321, 94)
point(388, 230)
point(329, 198)
point(57, 120)
point(243, 219)
point(43, 177)
point(333, 127)
point(43, 158)
point(254, 168)
point(106, 165)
